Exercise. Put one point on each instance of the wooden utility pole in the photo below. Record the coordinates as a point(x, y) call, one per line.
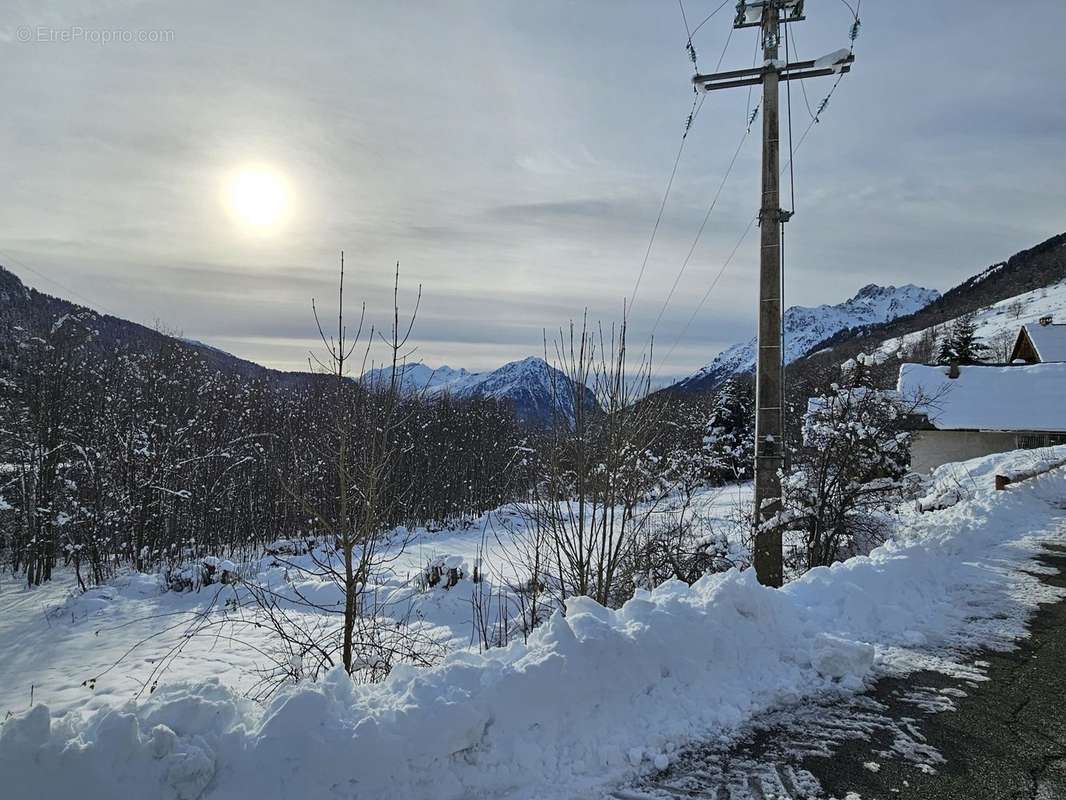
point(769, 16)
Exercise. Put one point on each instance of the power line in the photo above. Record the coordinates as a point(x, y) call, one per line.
point(703, 225)
point(854, 11)
point(814, 121)
point(816, 116)
point(792, 150)
point(749, 119)
point(754, 60)
point(690, 33)
point(721, 58)
point(684, 18)
point(697, 105)
point(666, 196)
point(792, 210)
point(709, 17)
point(792, 158)
point(707, 294)
point(769, 411)
point(792, 154)
point(803, 86)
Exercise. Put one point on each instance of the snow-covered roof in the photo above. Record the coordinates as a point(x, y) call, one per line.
point(1049, 341)
point(1018, 398)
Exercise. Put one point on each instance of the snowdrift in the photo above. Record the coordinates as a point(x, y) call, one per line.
point(594, 695)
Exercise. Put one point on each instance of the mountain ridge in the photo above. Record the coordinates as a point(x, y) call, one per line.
point(536, 390)
point(529, 384)
point(1032, 269)
point(29, 307)
point(805, 326)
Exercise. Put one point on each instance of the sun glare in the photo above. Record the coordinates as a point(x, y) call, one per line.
point(258, 197)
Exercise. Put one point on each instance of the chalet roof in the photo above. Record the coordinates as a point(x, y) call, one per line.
point(1049, 341)
point(1015, 398)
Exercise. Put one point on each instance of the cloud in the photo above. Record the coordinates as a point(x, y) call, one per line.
point(512, 157)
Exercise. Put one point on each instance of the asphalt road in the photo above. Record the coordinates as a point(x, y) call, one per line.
point(929, 736)
point(1005, 739)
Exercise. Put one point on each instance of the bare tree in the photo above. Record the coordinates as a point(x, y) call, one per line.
point(598, 483)
point(924, 349)
point(1000, 347)
point(353, 524)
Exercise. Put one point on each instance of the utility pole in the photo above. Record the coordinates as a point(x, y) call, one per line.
point(769, 16)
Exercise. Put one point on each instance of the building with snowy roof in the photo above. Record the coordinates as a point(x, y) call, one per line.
point(972, 411)
point(1042, 343)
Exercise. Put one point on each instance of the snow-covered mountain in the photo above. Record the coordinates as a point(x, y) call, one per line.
point(418, 377)
point(531, 386)
point(805, 327)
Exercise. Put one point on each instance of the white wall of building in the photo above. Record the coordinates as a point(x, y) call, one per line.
point(930, 449)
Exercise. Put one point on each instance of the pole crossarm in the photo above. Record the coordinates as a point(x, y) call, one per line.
point(754, 75)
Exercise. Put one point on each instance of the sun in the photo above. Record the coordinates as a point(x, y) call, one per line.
point(258, 197)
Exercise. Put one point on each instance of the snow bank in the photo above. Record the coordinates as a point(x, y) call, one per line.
point(595, 694)
point(953, 482)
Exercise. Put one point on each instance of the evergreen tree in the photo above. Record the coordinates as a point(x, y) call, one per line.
point(961, 344)
point(730, 434)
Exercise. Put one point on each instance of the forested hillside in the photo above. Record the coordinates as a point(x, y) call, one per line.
point(23, 306)
point(121, 445)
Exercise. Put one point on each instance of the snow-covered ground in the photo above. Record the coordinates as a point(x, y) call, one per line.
point(54, 637)
point(595, 696)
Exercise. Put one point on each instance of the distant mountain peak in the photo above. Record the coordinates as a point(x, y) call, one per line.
point(536, 390)
point(871, 289)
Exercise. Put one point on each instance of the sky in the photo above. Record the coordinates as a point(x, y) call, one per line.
point(512, 158)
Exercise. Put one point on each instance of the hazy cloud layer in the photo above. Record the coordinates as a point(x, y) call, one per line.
point(512, 156)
